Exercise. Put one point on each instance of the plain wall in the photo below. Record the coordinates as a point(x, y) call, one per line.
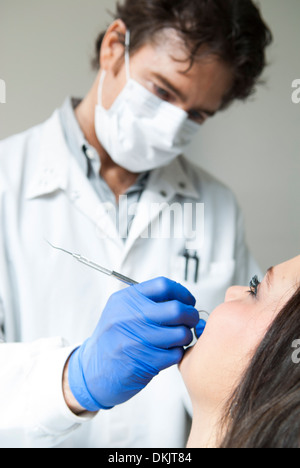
point(45, 52)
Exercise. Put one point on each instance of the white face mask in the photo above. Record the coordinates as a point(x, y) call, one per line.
point(140, 131)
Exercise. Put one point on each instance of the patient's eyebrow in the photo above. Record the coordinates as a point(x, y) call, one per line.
point(269, 276)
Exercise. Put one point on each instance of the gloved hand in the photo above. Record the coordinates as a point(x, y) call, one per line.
point(200, 327)
point(142, 331)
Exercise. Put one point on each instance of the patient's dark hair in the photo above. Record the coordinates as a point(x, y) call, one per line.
point(265, 409)
point(231, 29)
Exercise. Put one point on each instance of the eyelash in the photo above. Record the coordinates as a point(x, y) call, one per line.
point(254, 284)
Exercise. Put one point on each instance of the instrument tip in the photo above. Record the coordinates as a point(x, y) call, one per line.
point(58, 248)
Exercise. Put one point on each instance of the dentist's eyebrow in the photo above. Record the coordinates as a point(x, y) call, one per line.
point(169, 85)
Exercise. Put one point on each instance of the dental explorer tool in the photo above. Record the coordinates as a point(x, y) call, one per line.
point(105, 271)
point(96, 267)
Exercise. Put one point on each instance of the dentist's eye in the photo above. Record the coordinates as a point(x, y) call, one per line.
point(254, 284)
point(162, 93)
point(197, 117)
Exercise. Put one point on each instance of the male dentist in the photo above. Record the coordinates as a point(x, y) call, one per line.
point(85, 362)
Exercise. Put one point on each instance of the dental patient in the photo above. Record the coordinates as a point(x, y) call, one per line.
point(241, 375)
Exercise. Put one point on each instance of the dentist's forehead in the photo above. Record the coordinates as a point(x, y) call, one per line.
point(170, 41)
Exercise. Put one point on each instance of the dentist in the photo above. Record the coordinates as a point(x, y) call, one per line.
point(83, 362)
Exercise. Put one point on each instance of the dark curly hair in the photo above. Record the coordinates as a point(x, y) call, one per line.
point(230, 29)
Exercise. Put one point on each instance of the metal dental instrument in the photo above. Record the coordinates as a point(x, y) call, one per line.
point(114, 274)
point(96, 267)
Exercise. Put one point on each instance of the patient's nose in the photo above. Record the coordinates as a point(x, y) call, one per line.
point(234, 293)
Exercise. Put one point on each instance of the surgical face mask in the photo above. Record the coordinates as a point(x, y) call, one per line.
point(140, 131)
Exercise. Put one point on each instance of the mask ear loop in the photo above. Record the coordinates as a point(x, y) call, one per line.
point(127, 54)
point(100, 88)
point(127, 66)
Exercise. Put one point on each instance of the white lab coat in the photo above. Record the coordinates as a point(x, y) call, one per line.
point(49, 304)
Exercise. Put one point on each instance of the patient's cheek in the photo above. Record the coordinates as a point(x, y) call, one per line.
point(197, 367)
point(216, 362)
point(185, 365)
point(189, 367)
point(215, 365)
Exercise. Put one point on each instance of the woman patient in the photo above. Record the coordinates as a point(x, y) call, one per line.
point(242, 375)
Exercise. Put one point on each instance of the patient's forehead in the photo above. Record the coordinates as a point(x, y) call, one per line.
point(285, 276)
point(289, 269)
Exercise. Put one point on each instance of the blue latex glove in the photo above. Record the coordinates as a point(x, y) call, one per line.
point(199, 329)
point(143, 330)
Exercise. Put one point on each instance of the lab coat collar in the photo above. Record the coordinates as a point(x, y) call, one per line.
point(173, 180)
point(52, 171)
point(57, 170)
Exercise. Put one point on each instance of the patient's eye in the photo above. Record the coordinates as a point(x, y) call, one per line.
point(254, 284)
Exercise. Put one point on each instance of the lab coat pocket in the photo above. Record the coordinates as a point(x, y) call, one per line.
point(212, 282)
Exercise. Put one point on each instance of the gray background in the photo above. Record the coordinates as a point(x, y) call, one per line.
point(45, 53)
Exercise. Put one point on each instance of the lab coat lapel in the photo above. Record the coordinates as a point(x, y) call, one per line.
point(163, 185)
point(85, 199)
point(153, 201)
point(58, 170)
point(52, 170)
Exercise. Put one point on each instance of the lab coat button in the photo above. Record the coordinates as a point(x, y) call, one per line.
point(182, 185)
point(43, 182)
point(74, 196)
point(109, 208)
point(163, 194)
point(90, 154)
